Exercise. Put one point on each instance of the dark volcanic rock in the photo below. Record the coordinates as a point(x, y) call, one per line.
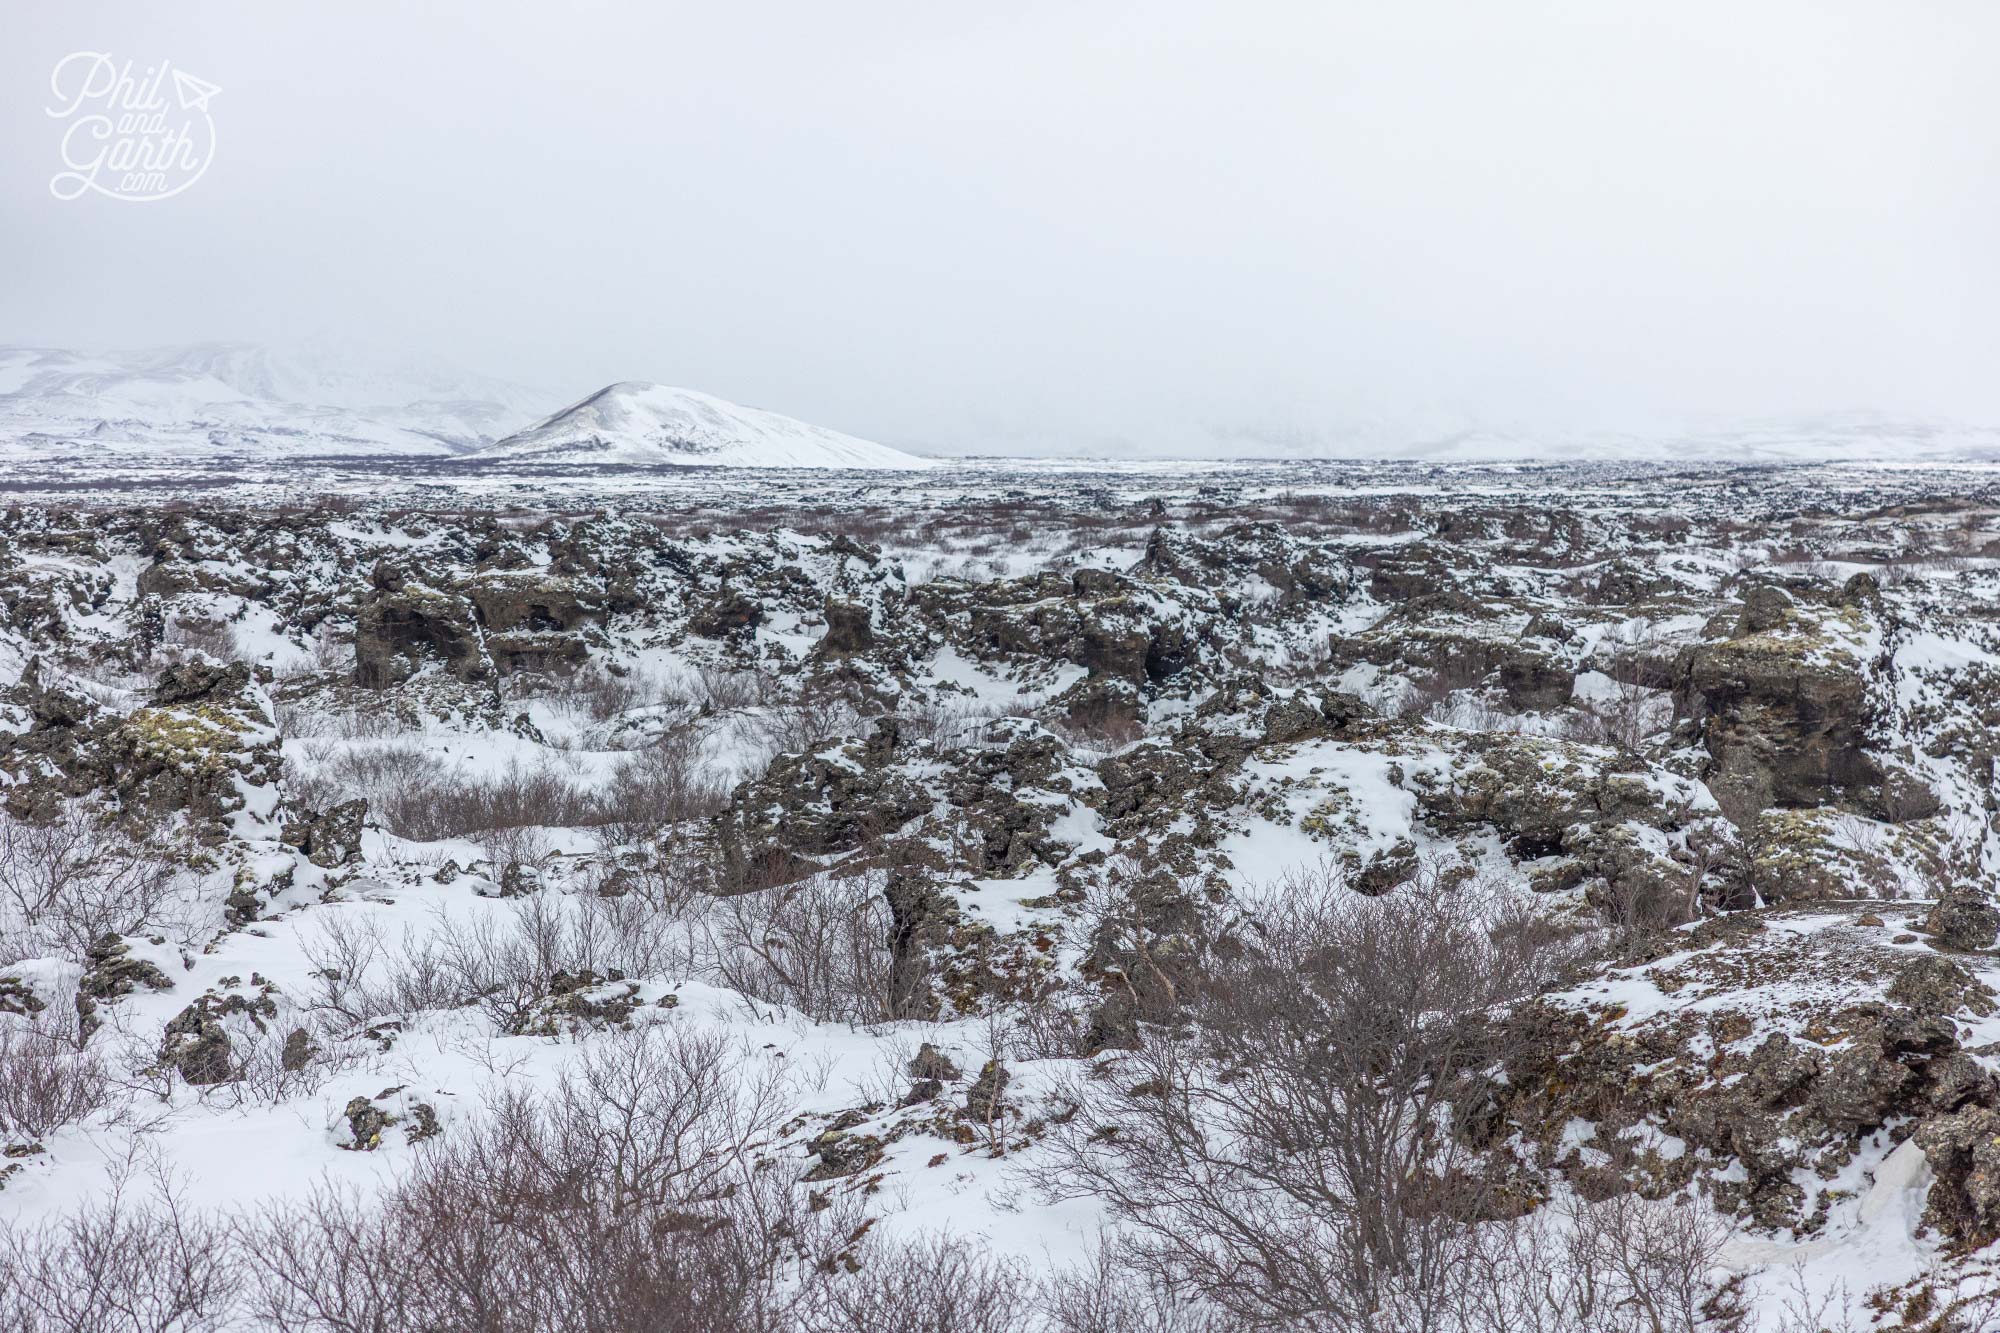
point(1963, 921)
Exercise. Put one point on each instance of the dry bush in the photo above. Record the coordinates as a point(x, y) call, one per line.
point(516, 797)
point(418, 796)
point(1054, 1024)
point(1094, 742)
point(504, 963)
point(1425, 692)
point(68, 877)
point(603, 695)
point(665, 877)
point(1625, 1265)
point(327, 654)
point(722, 690)
point(330, 652)
point(950, 724)
point(1468, 711)
point(1310, 664)
point(370, 724)
point(1109, 1295)
point(515, 847)
point(212, 637)
point(793, 726)
point(122, 1265)
point(1289, 1153)
point(297, 719)
point(656, 787)
point(929, 1286)
point(1639, 660)
point(398, 780)
point(623, 1200)
point(48, 1077)
point(820, 946)
point(1144, 936)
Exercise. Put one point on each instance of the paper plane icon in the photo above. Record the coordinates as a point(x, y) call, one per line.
point(194, 93)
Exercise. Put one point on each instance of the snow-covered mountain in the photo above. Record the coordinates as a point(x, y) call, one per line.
point(305, 398)
point(636, 423)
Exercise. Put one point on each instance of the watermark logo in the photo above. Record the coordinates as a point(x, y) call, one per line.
point(137, 136)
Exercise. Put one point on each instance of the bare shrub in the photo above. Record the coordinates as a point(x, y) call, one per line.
point(721, 690)
point(503, 963)
point(266, 1066)
point(212, 637)
point(664, 1115)
point(326, 654)
point(310, 786)
point(793, 726)
point(949, 724)
point(1625, 1265)
point(344, 951)
point(330, 652)
point(400, 781)
point(623, 1200)
point(1140, 923)
point(937, 1285)
point(820, 945)
point(122, 1265)
point(515, 847)
point(297, 719)
point(418, 796)
point(1639, 660)
point(665, 876)
point(1426, 692)
point(1053, 1024)
point(69, 877)
point(48, 1078)
point(603, 695)
point(369, 724)
point(656, 787)
point(1096, 741)
point(1290, 1152)
point(637, 934)
point(1110, 1295)
point(1475, 712)
point(517, 797)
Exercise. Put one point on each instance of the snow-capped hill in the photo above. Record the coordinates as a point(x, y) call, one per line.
point(250, 399)
point(636, 423)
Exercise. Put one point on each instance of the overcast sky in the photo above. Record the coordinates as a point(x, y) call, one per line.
point(1060, 225)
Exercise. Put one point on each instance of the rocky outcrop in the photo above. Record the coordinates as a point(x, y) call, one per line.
point(829, 800)
point(1964, 920)
point(1785, 1100)
point(204, 731)
point(1783, 709)
point(850, 629)
point(332, 839)
point(408, 624)
point(1963, 1151)
point(197, 1047)
point(1590, 815)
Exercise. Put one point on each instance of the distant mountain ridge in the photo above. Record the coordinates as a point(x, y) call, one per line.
point(247, 398)
point(320, 398)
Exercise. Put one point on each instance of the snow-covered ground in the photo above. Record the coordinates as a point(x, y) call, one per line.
point(810, 773)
